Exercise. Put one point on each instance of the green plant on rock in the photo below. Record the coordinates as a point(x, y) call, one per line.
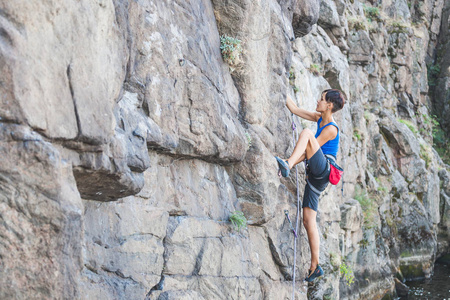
point(410, 125)
point(357, 23)
point(238, 220)
point(372, 13)
point(364, 243)
point(433, 73)
point(382, 189)
point(430, 120)
point(231, 49)
point(291, 76)
point(441, 141)
point(368, 206)
point(423, 131)
point(399, 27)
point(425, 154)
point(346, 273)
point(292, 79)
point(315, 69)
point(357, 135)
point(434, 122)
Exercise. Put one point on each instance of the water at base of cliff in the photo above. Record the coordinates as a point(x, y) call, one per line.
point(435, 288)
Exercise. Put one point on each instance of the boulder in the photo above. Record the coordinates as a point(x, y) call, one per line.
point(401, 288)
point(399, 137)
point(306, 14)
point(328, 15)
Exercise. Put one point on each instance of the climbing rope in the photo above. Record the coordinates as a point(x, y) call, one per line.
point(294, 138)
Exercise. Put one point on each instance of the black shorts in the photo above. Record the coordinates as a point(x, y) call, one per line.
point(317, 176)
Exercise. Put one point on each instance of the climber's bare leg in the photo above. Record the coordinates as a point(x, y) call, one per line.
point(306, 144)
point(309, 221)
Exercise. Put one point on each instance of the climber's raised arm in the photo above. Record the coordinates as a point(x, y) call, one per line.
point(307, 115)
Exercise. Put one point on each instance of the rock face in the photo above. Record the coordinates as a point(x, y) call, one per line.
point(127, 142)
point(440, 66)
point(41, 217)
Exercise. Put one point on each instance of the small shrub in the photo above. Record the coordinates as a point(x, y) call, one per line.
point(292, 79)
point(357, 135)
point(315, 69)
point(409, 125)
point(434, 121)
point(364, 243)
point(347, 273)
point(427, 120)
point(399, 27)
point(372, 13)
point(425, 154)
point(438, 133)
point(440, 143)
point(291, 75)
point(434, 69)
point(356, 23)
point(433, 73)
point(231, 49)
point(430, 120)
point(382, 189)
point(368, 207)
point(238, 220)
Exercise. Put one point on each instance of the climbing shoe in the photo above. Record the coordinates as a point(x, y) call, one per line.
point(313, 275)
point(283, 166)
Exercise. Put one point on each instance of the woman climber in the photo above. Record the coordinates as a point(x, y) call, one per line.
point(318, 150)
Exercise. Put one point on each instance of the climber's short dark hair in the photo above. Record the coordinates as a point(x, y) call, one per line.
point(336, 97)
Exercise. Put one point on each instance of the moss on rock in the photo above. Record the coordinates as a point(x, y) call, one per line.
point(412, 271)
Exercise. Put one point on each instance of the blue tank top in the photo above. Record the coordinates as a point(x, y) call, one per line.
point(332, 146)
